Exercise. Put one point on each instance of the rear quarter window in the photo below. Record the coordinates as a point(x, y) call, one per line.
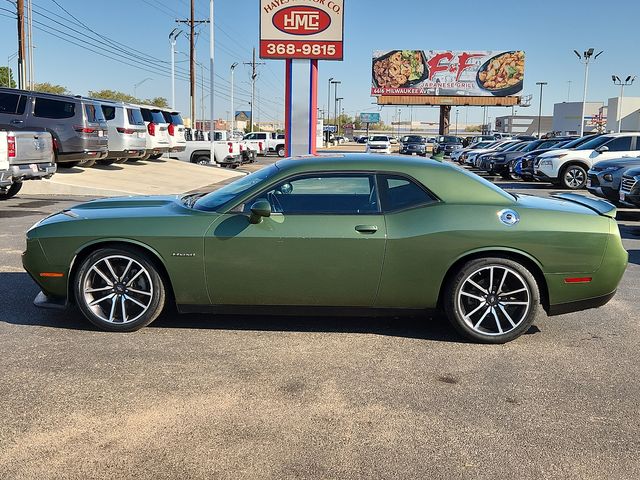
point(56, 109)
point(109, 112)
point(10, 103)
point(400, 193)
point(135, 116)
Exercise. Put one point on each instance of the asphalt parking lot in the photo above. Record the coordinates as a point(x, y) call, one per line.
point(196, 396)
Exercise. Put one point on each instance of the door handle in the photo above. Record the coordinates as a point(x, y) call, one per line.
point(16, 122)
point(367, 228)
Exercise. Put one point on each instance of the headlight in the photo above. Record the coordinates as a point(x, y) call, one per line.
point(608, 177)
point(546, 163)
point(560, 155)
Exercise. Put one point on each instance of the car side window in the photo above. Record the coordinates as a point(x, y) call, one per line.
point(9, 103)
point(109, 112)
point(56, 109)
point(322, 194)
point(399, 193)
point(637, 143)
point(619, 144)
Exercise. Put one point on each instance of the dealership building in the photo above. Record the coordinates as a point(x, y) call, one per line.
point(629, 114)
point(566, 117)
point(523, 124)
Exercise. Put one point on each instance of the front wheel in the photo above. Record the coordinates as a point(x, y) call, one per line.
point(11, 191)
point(202, 160)
point(281, 151)
point(119, 290)
point(492, 300)
point(574, 177)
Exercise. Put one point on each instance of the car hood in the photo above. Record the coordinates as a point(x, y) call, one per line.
point(122, 208)
point(618, 163)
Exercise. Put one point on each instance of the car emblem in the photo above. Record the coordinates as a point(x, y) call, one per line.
point(508, 217)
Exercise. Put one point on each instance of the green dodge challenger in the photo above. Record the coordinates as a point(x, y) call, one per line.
point(339, 235)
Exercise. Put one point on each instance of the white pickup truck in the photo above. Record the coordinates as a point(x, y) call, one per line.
point(24, 155)
point(226, 152)
point(266, 142)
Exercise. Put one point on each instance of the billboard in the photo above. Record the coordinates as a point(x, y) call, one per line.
point(369, 118)
point(447, 73)
point(301, 29)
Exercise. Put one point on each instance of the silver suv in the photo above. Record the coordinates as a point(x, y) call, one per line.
point(76, 124)
point(127, 132)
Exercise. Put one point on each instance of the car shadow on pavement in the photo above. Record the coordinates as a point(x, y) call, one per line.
point(21, 311)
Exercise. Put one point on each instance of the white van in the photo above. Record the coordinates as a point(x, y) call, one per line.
point(177, 140)
point(157, 132)
point(127, 132)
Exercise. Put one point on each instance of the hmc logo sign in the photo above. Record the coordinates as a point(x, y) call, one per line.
point(307, 29)
point(302, 20)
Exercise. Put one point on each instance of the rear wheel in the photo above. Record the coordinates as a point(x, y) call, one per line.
point(88, 164)
point(202, 160)
point(281, 151)
point(573, 177)
point(108, 161)
point(156, 156)
point(11, 191)
point(119, 290)
point(68, 164)
point(492, 300)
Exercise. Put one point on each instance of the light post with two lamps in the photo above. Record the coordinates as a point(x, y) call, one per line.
point(585, 58)
point(542, 84)
point(622, 83)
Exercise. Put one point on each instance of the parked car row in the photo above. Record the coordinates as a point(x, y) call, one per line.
point(87, 130)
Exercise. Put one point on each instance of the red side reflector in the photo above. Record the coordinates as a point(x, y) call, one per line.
point(578, 280)
point(52, 274)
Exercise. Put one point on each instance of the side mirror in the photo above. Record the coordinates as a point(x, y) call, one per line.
point(602, 149)
point(260, 209)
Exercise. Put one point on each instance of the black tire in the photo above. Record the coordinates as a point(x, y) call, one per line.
point(10, 191)
point(121, 160)
point(119, 258)
point(456, 304)
point(281, 150)
point(109, 161)
point(573, 177)
point(201, 160)
point(155, 157)
point(88, 163)
point(68, 164)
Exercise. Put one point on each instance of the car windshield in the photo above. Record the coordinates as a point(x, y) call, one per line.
point(451, 140)
point(595, 143)
point(379, 139)
point(414, 139)
point(532, 146)
point(214, 200)
point(504, 146)
point(578, 141)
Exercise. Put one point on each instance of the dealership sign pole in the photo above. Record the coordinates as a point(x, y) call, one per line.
point(301, 32)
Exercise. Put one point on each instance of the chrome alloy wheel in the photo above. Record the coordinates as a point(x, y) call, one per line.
point(494, 300)
point(117, 289)
point(574, 177)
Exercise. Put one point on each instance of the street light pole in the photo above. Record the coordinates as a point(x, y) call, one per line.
point(135, 86)
point(173, 36)
point(457, 113)
point(339, 100)
point(233, 112)
point(542, 84)
point(586, 59)
point(335, 100)
point(623, 83)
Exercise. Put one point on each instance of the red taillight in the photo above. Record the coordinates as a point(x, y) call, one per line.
point(11, 146)
point(241, 148)
point(230, 147)
point(127, 131)
point(172, 129)
point(55, 144)
point(151, 128)
point(260, 146)
point(85, 129)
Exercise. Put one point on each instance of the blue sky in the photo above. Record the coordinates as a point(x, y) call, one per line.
point(547, 31)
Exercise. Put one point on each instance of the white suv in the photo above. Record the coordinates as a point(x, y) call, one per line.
point(379, 144)
point(568, 168)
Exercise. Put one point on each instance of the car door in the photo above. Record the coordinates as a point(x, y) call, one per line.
point(323, 245)
point(619, 147)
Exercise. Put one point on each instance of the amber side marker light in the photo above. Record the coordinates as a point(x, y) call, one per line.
point(577, 280)
point(52, 274)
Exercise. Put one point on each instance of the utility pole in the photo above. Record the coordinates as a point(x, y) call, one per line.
point(192, 22)
point(21, 46)
point(254, 76)
point(542, 84)
point(30, 44)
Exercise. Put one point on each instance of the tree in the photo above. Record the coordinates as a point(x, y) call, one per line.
point(6, 78)
point(113, 95)
point(160, 102)
point(47, 87)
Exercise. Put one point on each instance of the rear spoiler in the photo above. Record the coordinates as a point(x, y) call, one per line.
point(602, 207)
